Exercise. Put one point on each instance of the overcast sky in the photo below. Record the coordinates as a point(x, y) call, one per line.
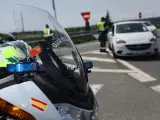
point(68, 11)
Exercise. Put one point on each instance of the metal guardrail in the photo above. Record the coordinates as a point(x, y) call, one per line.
point(83, 32)
point(72, 35)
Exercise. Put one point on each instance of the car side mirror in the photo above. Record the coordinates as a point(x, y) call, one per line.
point(88, 65)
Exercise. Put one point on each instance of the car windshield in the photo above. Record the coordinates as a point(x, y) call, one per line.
point(147, 23)
point(30, 24)
point(130, 28)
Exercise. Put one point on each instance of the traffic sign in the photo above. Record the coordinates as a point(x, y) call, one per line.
point(86, 16)
point(140, 15)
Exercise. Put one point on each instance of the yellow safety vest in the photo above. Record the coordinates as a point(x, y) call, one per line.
point(47, 32)
point(100, 26)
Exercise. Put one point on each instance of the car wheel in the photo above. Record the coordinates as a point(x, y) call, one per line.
point(114, 53)
point(156, 54)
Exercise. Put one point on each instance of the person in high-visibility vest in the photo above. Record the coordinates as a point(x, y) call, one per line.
point(102, 28)
point(101, 25)
point(48, 35)
point(47, 32)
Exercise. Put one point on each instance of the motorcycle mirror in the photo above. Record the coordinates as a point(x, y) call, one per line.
point(89, 65)
point(35, 51)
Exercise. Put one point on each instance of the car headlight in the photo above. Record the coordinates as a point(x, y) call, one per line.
point(69, 112)
point(118, 41)
point(155, 32)
point(153, 39)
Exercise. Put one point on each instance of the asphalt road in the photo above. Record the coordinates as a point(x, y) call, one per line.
point(126, 89)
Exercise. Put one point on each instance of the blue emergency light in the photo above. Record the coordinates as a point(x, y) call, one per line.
point(89, 65)
point(22, 67)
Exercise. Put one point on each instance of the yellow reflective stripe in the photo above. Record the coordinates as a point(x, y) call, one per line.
point(11, 51)
point(8, 54)
point(4, 63)
point(19, 54)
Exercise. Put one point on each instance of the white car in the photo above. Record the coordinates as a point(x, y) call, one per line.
point(149, 25)
point(131, 38)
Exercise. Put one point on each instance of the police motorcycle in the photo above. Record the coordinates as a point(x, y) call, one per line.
point(54, 84)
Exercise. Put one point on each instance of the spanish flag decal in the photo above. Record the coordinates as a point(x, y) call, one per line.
point(40, 105)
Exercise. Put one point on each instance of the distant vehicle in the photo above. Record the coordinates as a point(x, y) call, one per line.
point(132, 38)
point(150, 26)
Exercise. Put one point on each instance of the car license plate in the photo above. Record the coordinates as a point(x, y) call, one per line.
point(138, 52)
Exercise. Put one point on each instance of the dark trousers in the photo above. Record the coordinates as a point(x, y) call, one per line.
point(103, 44)
point(49, 41)
point(102, 39)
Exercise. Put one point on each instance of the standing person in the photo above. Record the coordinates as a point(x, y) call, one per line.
point(48, 35)
point(47, 31)
point(102, 29)
point(101, 25)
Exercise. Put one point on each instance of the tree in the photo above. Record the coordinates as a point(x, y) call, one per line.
point(108, 17)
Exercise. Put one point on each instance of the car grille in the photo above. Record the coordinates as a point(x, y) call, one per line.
point(139, 46)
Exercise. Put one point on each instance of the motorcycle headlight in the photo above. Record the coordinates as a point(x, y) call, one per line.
point(118, 41)
point(12, 112)
point(69, 112)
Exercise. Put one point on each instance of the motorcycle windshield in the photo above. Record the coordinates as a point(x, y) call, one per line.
point(31, 23)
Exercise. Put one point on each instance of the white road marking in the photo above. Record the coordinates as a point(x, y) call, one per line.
point(93, 59)
point(110, 52)
point(139, 75)
point(96, 87)
point(88, 44)
point(142, 75)
point(156, 88)
point(82, 53)
point(133, 72)
point(112, 70)
point(99, 53)
point(97, 69)
point(99, 59)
